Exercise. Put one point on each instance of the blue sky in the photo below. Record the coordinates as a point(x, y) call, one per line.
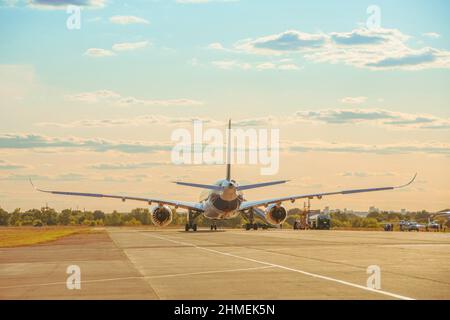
point(296, 65)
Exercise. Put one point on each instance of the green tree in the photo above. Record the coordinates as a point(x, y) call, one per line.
point(4, 217)
point(16, 217)
point(133, 222)
point(291, 219)
point(64, 217)
point(141, 215)
point(37, 223)
point(375, 215)
point(48, 216)
point(99, 215)
point(113, 219)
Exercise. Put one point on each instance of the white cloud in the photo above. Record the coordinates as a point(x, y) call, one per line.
point(216, 46)
point(98, 53)
point(27, 141)
point(167, 102)
point(116, 99)
point(354, 100)
point(375, 117)
point(93, 97)
point(288, 41)
point(126, 165)
point(231, 64)
point(364, 174)
point(124, 20)
point(124, 46)
point(128, 46)
point(375, 49)
point(5, 165)
point(433, 35)
point(266, 66)
point(381, 117)
point(437, 148)
point(202, 1)
point(62, 4)
point(133, 122)
point(234, 64)
point(289, 66)
point(8, 3)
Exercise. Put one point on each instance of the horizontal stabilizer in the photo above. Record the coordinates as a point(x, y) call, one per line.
point(198, 185)
point(260, 185)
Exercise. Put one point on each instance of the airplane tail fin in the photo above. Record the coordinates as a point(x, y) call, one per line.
point(229, 152)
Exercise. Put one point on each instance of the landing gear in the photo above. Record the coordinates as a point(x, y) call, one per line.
point(188, 227)
point(250, 226)
point(190, 221)
point(214, 227)
point(251, 218)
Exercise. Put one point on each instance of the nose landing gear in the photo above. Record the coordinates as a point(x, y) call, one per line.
point(190, 221)
point(188, 226)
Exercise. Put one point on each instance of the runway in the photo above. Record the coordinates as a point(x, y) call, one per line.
point(139, 263)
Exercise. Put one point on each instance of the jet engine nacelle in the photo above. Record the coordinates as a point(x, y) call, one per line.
point(275, 214)
point(161, 216)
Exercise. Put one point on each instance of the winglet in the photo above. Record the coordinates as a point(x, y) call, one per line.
point(31, 182)
point(36, 188)
point(407, 184)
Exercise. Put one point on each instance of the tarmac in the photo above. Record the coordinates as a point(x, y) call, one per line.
point(149, 263)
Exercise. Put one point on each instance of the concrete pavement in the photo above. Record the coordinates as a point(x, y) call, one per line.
point(139, 263)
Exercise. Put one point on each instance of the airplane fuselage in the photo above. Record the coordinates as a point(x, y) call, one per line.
point(222, 204)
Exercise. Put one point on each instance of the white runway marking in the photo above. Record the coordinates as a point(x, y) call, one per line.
point(139, 277)
point(394, 295)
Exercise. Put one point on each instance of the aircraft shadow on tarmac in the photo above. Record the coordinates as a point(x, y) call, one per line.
point(201, 231)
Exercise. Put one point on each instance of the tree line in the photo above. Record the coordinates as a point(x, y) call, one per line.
point(140, 216)
point(69, 217)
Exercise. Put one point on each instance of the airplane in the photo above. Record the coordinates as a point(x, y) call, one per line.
point(224, 200)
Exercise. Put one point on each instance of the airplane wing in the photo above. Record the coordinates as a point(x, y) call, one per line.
point(197, 206)
point(253, 204)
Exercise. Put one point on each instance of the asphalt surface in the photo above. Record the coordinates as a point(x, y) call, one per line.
point(136, 263)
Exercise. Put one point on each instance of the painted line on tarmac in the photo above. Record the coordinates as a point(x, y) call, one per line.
point(318, 276)
point(140, 277)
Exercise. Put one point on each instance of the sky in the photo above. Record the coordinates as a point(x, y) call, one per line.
point(359, 91)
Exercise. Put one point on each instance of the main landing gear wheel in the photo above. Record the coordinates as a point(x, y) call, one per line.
point(250, 226)
point(187, 227)
point(190, 221)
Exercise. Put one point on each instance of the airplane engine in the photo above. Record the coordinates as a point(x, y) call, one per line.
point(275, 214)
point(161, 216)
